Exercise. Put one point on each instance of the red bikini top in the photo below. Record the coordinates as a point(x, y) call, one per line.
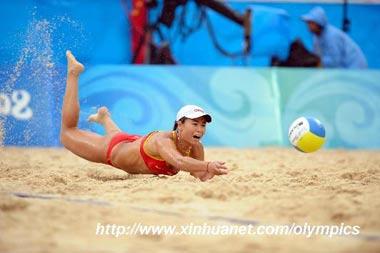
point(155, 165)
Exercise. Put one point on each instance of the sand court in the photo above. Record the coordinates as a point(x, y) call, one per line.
point(54, 200)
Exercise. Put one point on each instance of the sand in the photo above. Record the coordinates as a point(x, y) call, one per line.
point(266, 186)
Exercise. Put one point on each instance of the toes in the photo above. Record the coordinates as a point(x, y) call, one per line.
point(91, 118)
point(103, 110)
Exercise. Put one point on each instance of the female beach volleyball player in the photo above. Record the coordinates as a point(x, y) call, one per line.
point(156, 153)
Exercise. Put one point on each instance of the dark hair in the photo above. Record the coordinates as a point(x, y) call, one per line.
point(176, 125)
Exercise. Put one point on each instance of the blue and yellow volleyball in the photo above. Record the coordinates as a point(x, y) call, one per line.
point(307, 134)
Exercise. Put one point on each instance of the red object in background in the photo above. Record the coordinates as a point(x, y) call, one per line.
point(138, 18)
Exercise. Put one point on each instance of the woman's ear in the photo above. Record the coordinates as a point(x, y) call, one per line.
point(180, 124)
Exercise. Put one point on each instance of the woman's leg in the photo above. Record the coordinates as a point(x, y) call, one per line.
point(103, 118)
point(87, 145)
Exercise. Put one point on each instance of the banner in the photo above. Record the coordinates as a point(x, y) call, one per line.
point(250, 107)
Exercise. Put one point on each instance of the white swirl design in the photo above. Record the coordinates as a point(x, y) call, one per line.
point(143, 99)
point(347, 103)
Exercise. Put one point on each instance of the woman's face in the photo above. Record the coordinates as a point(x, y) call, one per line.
point(192, 130)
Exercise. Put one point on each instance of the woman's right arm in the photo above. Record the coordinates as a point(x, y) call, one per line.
point(168, 151)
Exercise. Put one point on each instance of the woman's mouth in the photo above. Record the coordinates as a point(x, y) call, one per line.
point(196, 137)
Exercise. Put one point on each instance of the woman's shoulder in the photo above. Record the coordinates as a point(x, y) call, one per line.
point(156, 139)
point(163, 135)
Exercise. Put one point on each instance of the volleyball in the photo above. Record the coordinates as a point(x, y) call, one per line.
point(307, 134)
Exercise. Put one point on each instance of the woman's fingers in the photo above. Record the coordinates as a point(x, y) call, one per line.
point(220, 169)
point(222, 166)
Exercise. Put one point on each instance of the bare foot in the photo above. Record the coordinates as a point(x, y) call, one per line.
point(99, 116)
point(73, 66)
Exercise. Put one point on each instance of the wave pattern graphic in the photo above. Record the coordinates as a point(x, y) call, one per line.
point(143, 99)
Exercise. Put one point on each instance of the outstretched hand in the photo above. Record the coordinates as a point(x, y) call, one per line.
point(214, 168)
point(217, 168)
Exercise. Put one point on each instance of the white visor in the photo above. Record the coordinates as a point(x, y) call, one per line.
point(192, 112)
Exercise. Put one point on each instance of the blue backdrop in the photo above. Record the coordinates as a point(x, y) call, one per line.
point(99, 31)
point(250, 107)
point(258, 104)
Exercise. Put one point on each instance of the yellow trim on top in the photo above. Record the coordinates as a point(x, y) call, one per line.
point(187, 153)
point(151, 156)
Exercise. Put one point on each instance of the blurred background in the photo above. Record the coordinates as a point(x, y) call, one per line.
point(250, 63)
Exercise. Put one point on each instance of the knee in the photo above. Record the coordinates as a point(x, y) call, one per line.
point(64, 137)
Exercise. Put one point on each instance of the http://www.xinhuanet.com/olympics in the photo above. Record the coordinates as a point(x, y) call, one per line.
point(206, 229)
